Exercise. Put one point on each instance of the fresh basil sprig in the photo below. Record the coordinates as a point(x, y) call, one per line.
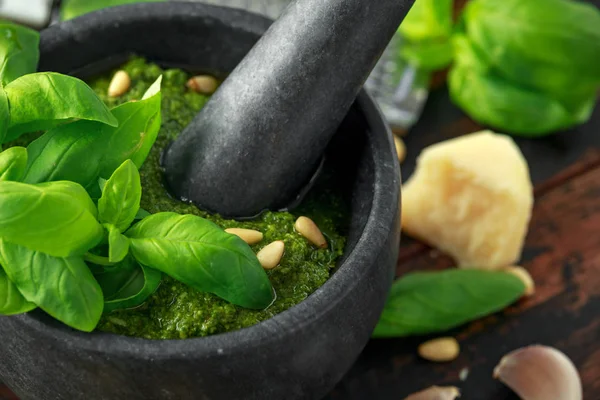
point(43, 100)
point(63, 287)
point(13, 162)
point(63, 153)
point(428, 302)
point(48, 231)
point(19, 53)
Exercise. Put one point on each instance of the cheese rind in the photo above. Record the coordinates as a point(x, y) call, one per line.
point(471, 197)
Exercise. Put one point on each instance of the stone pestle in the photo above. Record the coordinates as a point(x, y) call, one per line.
point(259, 140)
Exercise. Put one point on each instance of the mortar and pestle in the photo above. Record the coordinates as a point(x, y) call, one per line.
point(290, 99)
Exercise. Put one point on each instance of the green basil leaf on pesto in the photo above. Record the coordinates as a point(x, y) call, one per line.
point(121, 195)
point(198, 253)
point(74, 8)
point(43, 100)
point(84, 151)
point(4, 115)
point(12, 301)
point(19, 53)
point(63, 287)
point(70, 152)
point(139, 123)
point(118, 244)
point(13, 163)
point(56, 218)
point(428, 302)
point(127, 284)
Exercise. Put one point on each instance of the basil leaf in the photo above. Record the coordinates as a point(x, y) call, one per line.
point(118, 244)
point(57, 218)
point(548, 45)
point(12, 301)
point(200, 254)
point(139, 123)
point(427, 302)
point(46, 99)
point(83, 151)
point(18, 51)
point(121, 197)
point(74, 8)
point(13, 163)
point(63, 287)
point(70, 152)
point(127, 286)
point(4, 115)
point(504, 105)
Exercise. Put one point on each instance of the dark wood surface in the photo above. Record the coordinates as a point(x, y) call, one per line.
point(562, 253)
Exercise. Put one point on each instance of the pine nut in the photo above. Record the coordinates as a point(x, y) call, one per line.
point(440, 350)
point(203, 84)
point(249, 236)
point(524, 276)
point(400, 148)
point(119, 84)
point(270, 255)
point(307, 228)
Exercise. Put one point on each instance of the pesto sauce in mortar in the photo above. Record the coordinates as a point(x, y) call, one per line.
point(176, 311)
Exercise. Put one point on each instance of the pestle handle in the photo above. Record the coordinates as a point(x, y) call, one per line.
point(259, 139)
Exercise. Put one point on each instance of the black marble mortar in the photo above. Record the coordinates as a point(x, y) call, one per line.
point(300, 353)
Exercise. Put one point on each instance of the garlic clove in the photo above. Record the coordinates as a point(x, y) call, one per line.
point(540, 373)
point(436, 393)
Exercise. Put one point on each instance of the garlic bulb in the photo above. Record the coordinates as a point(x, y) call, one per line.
point(540, 373)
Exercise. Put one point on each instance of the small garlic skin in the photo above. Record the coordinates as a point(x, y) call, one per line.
point(436, 393)
point(540, 373)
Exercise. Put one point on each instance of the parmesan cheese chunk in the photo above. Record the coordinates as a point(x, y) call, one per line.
point(471, 197)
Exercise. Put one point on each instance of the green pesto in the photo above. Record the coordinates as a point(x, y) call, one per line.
point(176, 311)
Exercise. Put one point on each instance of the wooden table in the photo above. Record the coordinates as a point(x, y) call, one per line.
point(562, 253)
